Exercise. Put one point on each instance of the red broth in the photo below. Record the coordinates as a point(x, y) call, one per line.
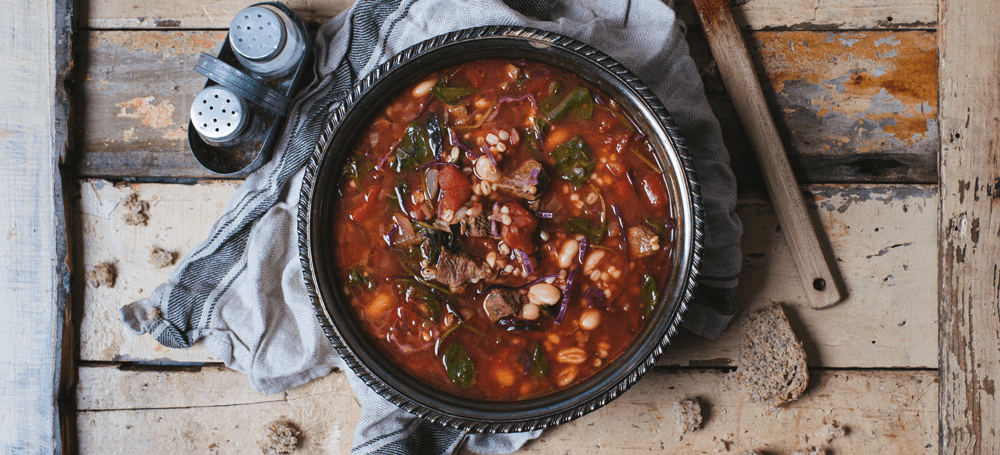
point(502, 230)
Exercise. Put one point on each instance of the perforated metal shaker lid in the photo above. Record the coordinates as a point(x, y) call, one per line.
point(218, 114)
point(257, 33)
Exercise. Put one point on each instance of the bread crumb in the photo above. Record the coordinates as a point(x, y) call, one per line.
point(161, 258)
point(135, 210)
point(281, 438)
point(720, 446)
point(687, 415)
point(772, 368)
point(102, 275)
point(811, 451)
point(749, 452)
point(833, 430)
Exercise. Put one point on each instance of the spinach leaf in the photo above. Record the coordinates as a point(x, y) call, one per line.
point(434, 134)
point(574, 161)
point(451, 94)
point(552, 100)
point(416, 292)
point(579, 102)
point(659, 225)
point(415, 148)
point(592, 231)
point(539, 363)
point(459, 366)
point(357, 277)
point(649, 293)
point(355, 170)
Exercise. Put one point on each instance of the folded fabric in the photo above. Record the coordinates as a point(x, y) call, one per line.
point(241, 291)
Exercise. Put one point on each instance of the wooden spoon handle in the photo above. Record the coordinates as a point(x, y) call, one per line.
point(738, 74)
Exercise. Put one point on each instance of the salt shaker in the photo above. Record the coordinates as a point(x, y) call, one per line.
point(222, 118)
point(266, 41)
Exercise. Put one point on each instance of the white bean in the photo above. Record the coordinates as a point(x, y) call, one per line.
point(590, 319)
point(592, 260)
point(529, 311)
point(486, 171)
point(568, 253)
point(544, 294)
point(424, 88)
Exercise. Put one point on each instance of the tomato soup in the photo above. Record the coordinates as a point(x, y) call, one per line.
point(503, 230)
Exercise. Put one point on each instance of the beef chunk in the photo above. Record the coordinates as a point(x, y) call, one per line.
point(527, 182)
point(456, 270)
point(502, 302)
point(479, 226)
point(642, 241)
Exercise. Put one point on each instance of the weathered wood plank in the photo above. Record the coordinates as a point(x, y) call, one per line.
point(852, 106)
point(135, 99)
point(884, 238)
point(213, 410)
point(180, 217)
point(752, 14)
point(970, 222)
point(826, 14)
point(33, 252)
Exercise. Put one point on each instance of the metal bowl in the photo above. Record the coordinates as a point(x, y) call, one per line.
point(319, 191)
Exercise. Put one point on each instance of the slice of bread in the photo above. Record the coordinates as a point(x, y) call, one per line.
point(772, 366)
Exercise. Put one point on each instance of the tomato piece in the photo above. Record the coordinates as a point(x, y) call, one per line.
point(362, 211)
point(522, 226)
point(456, 189)
point(655, 191)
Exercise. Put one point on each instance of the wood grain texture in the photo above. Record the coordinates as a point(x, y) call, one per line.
point(970, 222)
point(32, 254)
point(736, 69)
point(751, 14)
point(137, 88)
point(883, 237)
point(826, 14)
point(180, 217)
point(213, 411)
point(850, 106)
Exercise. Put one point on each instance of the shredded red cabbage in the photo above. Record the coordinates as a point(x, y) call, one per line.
point(583, 249)
point(392, 149)
point(508, 99)
point(538, 281)
point(489, 154)
point(523, 256)
point(453, 137)
point(392, 233)
point(596, 298)
point(567, 290)
point(546, 215)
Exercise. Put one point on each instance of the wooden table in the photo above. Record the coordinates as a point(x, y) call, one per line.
point(890, 111)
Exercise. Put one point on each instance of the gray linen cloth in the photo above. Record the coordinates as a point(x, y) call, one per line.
point(241, 291)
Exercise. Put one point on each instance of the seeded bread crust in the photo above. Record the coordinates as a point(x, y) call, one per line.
point(772, 366)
